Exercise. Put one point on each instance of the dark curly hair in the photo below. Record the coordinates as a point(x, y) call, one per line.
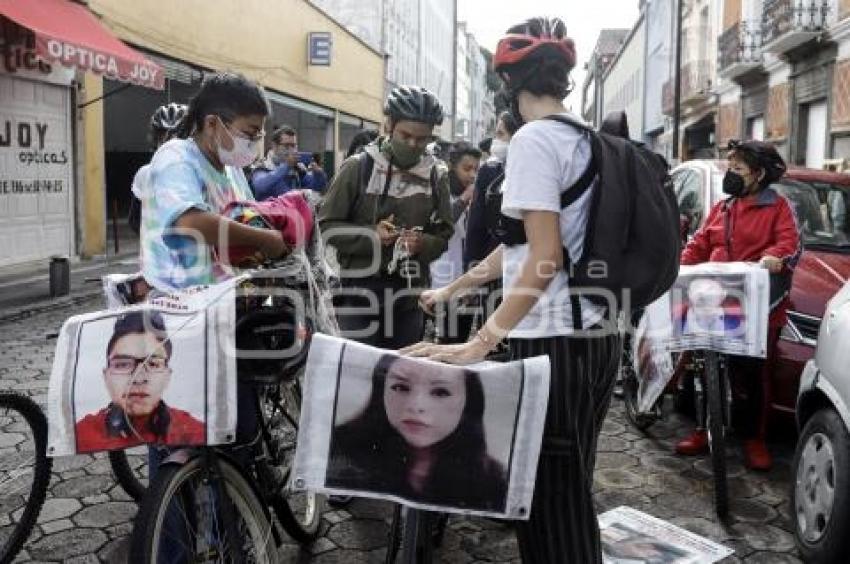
point(543, 76)
point(227, 95)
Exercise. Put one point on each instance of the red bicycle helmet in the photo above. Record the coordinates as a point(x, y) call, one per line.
point(516, 48)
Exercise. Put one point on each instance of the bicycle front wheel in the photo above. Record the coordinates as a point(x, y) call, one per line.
point(24, 470)
point(716, 397)
point(194, 513)
point(130, 468)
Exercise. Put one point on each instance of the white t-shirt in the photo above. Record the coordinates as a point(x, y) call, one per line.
point(547, 157)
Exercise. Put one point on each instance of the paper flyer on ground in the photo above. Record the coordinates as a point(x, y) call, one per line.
point(163, 372)
point(722, 307)
point(630, 536)
point(429, 435)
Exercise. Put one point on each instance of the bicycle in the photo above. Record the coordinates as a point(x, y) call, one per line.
point(24, 472)
point(416, 533)
point(219, 502)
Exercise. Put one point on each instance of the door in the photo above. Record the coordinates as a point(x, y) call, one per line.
point(36, 171)
point(816, 134)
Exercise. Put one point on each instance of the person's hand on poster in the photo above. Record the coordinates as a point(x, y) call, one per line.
point(466, 353)
point(772, 264)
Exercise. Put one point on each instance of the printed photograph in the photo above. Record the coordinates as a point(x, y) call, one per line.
point(624, 545)
point(137, 380)
point(709, 306)
point(430, 433)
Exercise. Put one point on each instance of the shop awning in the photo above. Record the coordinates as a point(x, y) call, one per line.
point(68, 33)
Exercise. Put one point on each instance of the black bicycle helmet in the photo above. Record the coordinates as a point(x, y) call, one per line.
point(762, 155)
point(414, 103)
point(168, 117)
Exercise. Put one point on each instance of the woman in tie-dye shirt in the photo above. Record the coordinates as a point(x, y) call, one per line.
point(194, 177)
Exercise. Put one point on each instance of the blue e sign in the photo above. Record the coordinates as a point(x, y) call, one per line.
point(319, 44)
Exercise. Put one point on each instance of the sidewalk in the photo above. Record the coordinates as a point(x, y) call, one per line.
point(25, 289)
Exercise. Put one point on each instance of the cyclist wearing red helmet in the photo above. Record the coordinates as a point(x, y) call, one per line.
point(755, 224)
point(546, 157)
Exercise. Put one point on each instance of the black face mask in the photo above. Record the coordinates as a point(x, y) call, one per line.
point(733, 184)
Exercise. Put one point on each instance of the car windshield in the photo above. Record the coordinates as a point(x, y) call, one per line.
point(822, 210)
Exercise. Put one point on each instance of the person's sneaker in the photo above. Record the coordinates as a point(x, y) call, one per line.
point(693, 445)
point(756, 455)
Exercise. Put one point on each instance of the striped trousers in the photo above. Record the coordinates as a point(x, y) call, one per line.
point(562, 528)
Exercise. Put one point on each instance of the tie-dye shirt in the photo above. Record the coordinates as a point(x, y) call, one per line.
point(181, 178)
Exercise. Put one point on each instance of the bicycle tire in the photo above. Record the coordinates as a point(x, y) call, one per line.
point(126, 476)
point(150, 524)
point(717, 432)
point(299, 513)
point(417, 546)
point(37, 422)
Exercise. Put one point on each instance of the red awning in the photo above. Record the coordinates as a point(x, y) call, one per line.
point(69, 33)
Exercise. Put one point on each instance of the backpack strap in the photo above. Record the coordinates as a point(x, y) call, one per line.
point(367, 165)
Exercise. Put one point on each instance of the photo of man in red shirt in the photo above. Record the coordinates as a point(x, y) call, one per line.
point(136, 374)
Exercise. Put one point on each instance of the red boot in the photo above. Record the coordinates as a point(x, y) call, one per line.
point(756, 455)
point(696, 444)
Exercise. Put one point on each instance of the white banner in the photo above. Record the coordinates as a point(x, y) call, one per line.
point(163, 372)
point(429, 435)
point(722, 307)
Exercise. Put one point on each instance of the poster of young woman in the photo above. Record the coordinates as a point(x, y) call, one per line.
point(160, 373)
point(429, 435)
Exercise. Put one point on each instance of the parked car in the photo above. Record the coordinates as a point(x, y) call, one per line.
point(820, 500)
point(822, 202)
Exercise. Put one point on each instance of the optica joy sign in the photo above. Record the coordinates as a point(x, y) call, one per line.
point(142, 73)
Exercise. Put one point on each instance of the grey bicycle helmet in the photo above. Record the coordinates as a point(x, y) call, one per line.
point(168, 117)
point(414, 103)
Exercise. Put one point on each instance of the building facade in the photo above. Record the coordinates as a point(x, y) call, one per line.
point(101, 126)
point(659, 17)
point(417, 37)
point(607, 46)
point(785, 70)
point(623, 81)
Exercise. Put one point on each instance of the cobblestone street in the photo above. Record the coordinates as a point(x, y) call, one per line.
point(88, 518)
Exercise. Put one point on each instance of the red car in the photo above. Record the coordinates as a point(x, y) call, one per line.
point(822, 202)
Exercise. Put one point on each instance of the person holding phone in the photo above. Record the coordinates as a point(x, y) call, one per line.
point(283, 170)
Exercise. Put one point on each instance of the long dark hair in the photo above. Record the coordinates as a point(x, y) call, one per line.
point(370, 442)
point(227, 95)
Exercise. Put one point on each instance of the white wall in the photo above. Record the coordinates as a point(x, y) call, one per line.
point(623, 84)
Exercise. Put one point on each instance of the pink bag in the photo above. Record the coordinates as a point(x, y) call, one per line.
point(290, 214)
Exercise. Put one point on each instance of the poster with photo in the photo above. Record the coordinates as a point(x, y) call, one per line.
point(160, 373)
point(630, 536)
point(429, 435)
point(722, 307)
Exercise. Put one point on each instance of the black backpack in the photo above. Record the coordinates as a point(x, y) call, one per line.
point(632, 240)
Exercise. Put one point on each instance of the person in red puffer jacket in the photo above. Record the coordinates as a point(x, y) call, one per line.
point(755, 224)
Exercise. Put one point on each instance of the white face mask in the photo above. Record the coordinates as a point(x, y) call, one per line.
point(499, 149)
point(243, 153)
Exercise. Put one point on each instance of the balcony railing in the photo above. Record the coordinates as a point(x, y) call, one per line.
point(696, 86)
point(739, 49)
point(790, 23)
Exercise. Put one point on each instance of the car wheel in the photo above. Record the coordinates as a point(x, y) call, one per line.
point(820, 494)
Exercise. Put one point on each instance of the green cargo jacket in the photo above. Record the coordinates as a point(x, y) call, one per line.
point(409, 200)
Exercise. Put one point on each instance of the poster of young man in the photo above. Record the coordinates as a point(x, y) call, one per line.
point(163, 373)
point(434, 436)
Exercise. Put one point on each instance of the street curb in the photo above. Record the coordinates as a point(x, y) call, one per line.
point(17, 314)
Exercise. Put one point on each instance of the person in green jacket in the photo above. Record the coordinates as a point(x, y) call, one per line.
point(387, 214)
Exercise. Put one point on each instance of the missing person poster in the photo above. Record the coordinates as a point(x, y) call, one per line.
point(160, 373)
point(722, 307)
point(429, 435)
point(630, 536)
